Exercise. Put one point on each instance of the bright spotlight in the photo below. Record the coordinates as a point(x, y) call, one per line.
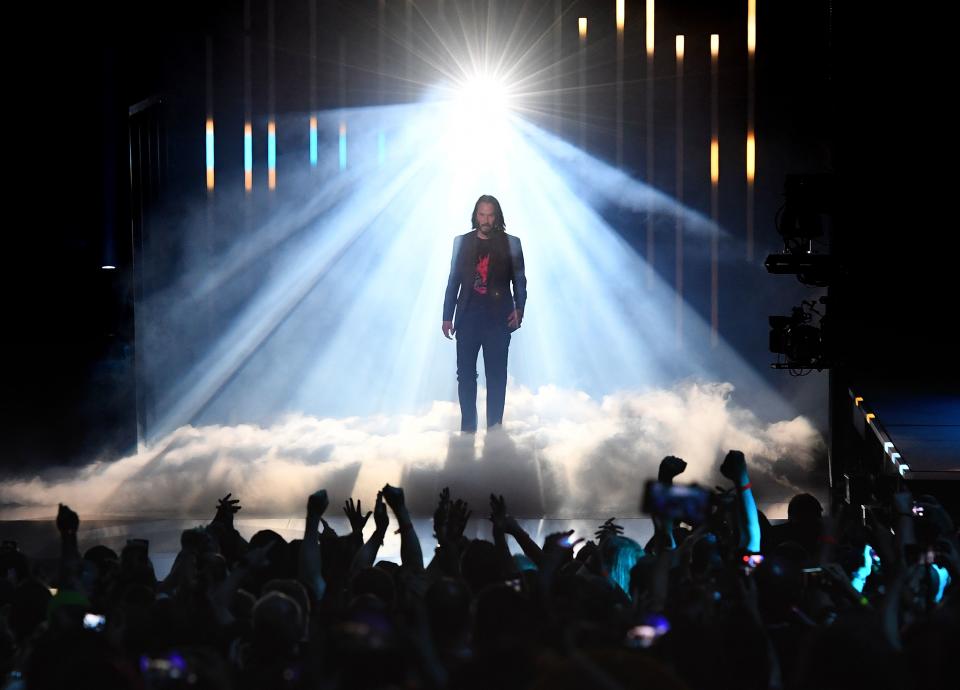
point(483, 96)
point(478, 118)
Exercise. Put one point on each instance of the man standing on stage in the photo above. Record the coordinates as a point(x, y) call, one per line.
point(485, 261)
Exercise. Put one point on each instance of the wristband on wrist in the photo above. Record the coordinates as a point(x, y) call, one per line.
point(746, 486)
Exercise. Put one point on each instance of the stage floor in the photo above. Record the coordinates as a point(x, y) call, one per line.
point(923, 421)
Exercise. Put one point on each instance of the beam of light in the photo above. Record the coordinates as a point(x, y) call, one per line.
point(714, 161)
point(108, 267)
point(620, 15)
point(209, 151)
point(272, 155)
point(679, 43)
point(751, 27)
point(313, 141)
point(342, 146)
point(714, 45)
point(393, 224)
point(751, 157)
point(650, 25)
point(582, 28)
point(247, 157)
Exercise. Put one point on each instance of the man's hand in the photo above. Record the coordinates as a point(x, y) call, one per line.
point(500, 518)
point(355, 515)
point(226, 508)
point(380, 517)
point(560, 542)
point(67, 520)
point(608, 529)
point(393, 495)
point(734, 468)
point(670, 467)
point(514, 319)
point(317, 504)
point(448, 329)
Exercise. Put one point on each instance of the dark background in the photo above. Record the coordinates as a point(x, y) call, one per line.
point(863, 95)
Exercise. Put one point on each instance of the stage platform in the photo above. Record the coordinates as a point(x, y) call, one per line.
point(921, 420)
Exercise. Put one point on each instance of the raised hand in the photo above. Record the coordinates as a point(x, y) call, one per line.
point(440, 516)
point(393, 495)
point(670, 467)
point(608, 529)
point(457, 519)
point(734, 467)
point(67, 520)
point(560, 541)
point(355, 515)
point(499, 517)
point(380, 517)
point(226, 508)
point(328, 531)
point(317, 504)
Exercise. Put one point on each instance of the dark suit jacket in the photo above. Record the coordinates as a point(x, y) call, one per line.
point(506, 266)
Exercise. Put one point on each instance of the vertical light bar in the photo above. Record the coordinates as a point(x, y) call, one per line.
point(751, 105)
point(651, 142)
point(650, 25)
point(678, 166)
point(343, 145)
point(557, 77)
point(248, 157)
point(209, 139)
point(714, 161)
point(619, 116)
point(247, 103)
point(313, 83)
point(208, 129)
point(408, 42)
point(271, 96)
point(272, 155)
point(582, 27)
point(714, 189)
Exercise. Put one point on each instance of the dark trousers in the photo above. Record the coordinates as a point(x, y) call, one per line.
point(486, 330)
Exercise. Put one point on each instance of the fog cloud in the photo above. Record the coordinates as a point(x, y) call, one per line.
point(561, 454)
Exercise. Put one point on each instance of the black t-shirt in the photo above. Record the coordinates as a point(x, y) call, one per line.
point(480, 299)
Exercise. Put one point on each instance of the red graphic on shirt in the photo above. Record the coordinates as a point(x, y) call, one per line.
point(480, 275)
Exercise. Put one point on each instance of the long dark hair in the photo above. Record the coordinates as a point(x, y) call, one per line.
point(498, 222)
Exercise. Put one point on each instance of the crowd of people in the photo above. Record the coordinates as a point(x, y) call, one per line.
point(718, 598)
